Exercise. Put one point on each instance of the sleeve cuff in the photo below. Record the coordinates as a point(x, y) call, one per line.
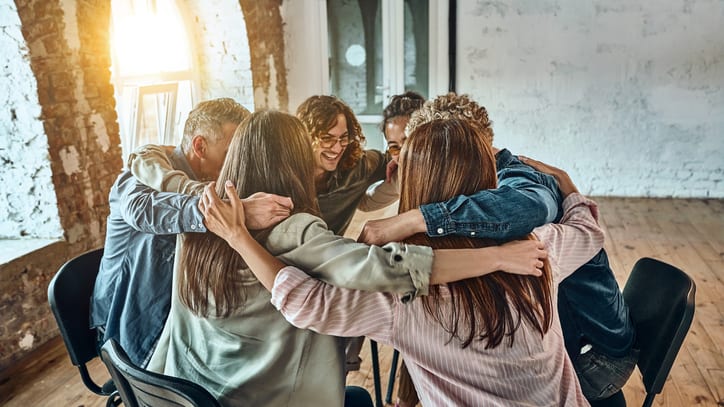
point(286, 280)
point(576, 199)
point(421, 258)
point(437, 219)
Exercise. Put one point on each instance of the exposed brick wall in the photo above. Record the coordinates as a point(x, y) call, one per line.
point(70, 59)
point(28, 205)
point(67, 43)
point(222, 50)
point(266, 45)
point(69, 56)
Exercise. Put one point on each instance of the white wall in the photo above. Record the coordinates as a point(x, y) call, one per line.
point(28, 206)
point(305, 48)
point(628, 96)
point(222, 50)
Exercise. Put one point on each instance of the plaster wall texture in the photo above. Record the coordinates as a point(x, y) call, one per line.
point(628, 96)
point(222, 50)
point(28, 205)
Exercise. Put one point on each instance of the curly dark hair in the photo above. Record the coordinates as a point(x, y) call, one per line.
point(453, 106)
point(401, 105)
point(319, 114)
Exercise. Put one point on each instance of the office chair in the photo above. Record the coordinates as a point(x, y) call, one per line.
point(140, 388)
point(69, 294)
point(660, 298)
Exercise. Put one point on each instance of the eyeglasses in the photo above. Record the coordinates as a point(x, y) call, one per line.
point(328, 141)
point(394, 149)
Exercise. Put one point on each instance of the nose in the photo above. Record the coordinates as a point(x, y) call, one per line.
point(337, 147)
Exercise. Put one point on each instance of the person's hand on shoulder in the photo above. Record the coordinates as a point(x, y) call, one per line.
point(523, 257)
point(565, 184)
point(263, 210)
point(392, 229)
point(226, 219)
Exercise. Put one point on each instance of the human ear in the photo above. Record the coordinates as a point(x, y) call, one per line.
point(198, 143)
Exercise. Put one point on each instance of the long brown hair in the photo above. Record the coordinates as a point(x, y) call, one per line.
point(440, 160)
point(269, 152)
point(319, 114)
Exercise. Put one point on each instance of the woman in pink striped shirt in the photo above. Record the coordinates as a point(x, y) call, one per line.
point(491, 340)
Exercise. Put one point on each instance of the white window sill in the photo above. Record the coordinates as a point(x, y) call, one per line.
point(11, 249)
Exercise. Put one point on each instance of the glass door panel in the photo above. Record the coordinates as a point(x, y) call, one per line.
point(377, 48)
point(417, 46)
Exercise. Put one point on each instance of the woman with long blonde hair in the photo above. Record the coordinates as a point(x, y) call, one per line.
point(489, 340)
point(223, 331)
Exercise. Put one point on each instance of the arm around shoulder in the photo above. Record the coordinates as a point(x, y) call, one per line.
point(151, 165)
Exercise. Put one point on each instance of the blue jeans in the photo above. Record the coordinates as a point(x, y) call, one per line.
point(601, 375)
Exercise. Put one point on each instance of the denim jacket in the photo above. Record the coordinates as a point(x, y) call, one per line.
point(590, 303)
point(132, 293)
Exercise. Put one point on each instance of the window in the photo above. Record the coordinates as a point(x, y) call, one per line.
point(380, 48)
point(152, 71)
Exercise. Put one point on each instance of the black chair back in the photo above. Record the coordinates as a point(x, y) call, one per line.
point(660, 298)
point(140, 388)
point(69, 295)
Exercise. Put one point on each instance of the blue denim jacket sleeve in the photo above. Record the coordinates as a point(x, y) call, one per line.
point(160, 213)
point(524, 200)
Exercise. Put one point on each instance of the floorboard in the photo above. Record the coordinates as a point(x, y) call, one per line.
point(687, 233)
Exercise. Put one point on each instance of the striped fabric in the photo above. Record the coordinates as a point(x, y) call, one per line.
point(534, 371)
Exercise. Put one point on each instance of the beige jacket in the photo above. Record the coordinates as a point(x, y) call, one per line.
point(255, 357)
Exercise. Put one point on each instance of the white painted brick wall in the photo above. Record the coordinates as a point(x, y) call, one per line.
point(628, 96)
point(223, 50)
point(28, 206)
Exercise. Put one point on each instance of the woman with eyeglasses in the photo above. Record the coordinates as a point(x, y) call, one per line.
point(343, 170)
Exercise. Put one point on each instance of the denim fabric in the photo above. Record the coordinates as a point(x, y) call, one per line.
point(590, 303)
point(592, 310)
point(524, 200)
point(602, 375)
point(132, 293)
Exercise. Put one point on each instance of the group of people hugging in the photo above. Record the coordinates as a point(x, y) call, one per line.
point(224, 261)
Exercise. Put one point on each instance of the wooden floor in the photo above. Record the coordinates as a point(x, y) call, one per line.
point(686, 233)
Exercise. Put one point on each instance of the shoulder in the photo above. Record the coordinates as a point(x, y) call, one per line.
point(371, 163)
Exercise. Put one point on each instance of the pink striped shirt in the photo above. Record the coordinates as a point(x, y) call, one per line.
point(531, 372)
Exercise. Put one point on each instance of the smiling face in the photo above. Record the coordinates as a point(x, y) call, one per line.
point(395, 135)
point(327, 158)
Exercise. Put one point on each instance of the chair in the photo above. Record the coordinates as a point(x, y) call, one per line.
point(140, 388)
point(69, 294)
point(376, 374)
point(660, 298)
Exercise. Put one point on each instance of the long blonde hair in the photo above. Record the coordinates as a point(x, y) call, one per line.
point(443, 159)
point(269, 152)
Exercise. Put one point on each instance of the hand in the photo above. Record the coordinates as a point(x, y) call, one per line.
point(225, 219)
point(390, 170)
point(565, 184)
point(392, 229)
point(263, 210)
point(523, 257)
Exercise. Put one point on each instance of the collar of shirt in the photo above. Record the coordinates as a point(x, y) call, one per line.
point(179, 162)
point(503, 158)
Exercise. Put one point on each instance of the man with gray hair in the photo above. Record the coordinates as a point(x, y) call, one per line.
point(132, 293)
